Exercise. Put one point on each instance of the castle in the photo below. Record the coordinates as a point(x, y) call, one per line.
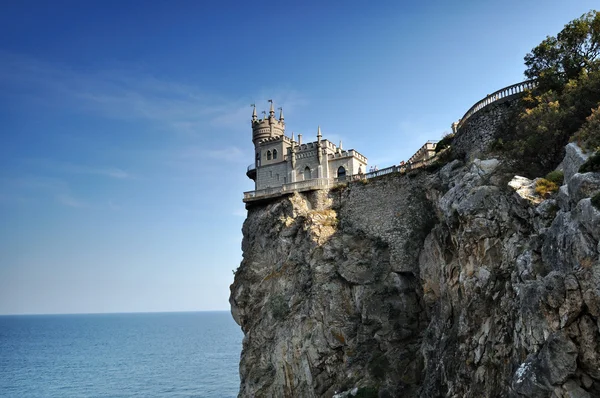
point(282, 164)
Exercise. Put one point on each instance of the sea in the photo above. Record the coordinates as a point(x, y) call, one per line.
point(185, 354)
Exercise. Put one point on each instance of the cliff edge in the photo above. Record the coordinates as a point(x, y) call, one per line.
point(460, 282)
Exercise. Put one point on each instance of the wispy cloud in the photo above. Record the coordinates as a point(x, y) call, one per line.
point(71, 168)
point(32, 188)
point(129, 93)
point(70, 201)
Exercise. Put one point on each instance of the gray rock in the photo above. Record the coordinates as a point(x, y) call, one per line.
point(444, 284)
point(574, 158)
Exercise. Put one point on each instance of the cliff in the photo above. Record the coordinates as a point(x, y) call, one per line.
point(454, 283)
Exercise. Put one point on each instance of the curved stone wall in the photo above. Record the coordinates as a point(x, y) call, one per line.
point(479, 126)
point(480, 130)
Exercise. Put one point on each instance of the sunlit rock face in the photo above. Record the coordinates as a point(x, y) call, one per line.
point(447, 283)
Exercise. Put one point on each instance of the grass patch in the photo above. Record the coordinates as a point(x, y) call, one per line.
point(545, 188)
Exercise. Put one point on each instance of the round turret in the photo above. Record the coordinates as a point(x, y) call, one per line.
point(267, 127)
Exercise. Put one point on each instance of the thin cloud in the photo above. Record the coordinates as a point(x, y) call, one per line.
point(70, 201)
point(128, 93)
point(70, 168)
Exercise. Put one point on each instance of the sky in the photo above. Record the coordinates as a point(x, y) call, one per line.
point(125, 125)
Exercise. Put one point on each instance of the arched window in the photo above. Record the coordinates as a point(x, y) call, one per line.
point(257, 159)
point(268, 155)
point(274, 154)
point(307, 173)
point(341, 173)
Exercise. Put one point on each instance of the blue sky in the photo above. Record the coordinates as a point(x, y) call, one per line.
point(125, 131)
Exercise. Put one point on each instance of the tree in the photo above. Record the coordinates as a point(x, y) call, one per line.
point(576, 49)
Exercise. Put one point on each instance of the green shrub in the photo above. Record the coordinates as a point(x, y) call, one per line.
point(588, 136)
point(556, 177)
point(592, 164)
point(596, 201)
point(544, 187)
point(444, 142)
point(367, 392)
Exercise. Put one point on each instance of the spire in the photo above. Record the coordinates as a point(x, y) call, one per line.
point(280, 114)
point(292, 136)
point(319, 133)
point(272, 110)
point(341, 149)
point(254, 116)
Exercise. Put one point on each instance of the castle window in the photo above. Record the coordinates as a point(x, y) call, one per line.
point(257, 159)
point(307, 173)
point(341, 173)
point(274, 154)
point(268, 155)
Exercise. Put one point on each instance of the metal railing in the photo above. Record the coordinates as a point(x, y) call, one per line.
point(497, 96)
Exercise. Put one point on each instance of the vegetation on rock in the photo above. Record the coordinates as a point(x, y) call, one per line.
point(544, 187)
point(558, 60)
point(567, 69)
point(556, 177)
point(588, 136)
point(592, 164)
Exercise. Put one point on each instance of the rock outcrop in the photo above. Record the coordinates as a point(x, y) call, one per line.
point(446, 283)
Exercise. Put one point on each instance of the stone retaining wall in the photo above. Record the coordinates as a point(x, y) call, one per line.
point(478, 132)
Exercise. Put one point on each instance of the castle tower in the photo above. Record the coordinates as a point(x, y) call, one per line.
point(268, 126)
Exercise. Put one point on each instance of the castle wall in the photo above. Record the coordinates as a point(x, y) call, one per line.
point(481, 129)
point(351, 164)
point(309, 159)
point(273, 175)
point(278, 145)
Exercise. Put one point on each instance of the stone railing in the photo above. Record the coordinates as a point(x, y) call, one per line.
point(498, 96)
point(322, 183)
point(298, 186)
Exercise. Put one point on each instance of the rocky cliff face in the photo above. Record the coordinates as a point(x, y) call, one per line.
point(430, 284)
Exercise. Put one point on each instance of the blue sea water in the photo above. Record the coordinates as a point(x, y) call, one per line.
point(191, 354)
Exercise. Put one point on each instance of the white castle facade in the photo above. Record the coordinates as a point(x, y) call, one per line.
point(282, 162)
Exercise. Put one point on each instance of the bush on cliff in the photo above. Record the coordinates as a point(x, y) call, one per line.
point(567, 69)
point(588, 136)
point(445, 142)
point(556, 177)
point(592, 164)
